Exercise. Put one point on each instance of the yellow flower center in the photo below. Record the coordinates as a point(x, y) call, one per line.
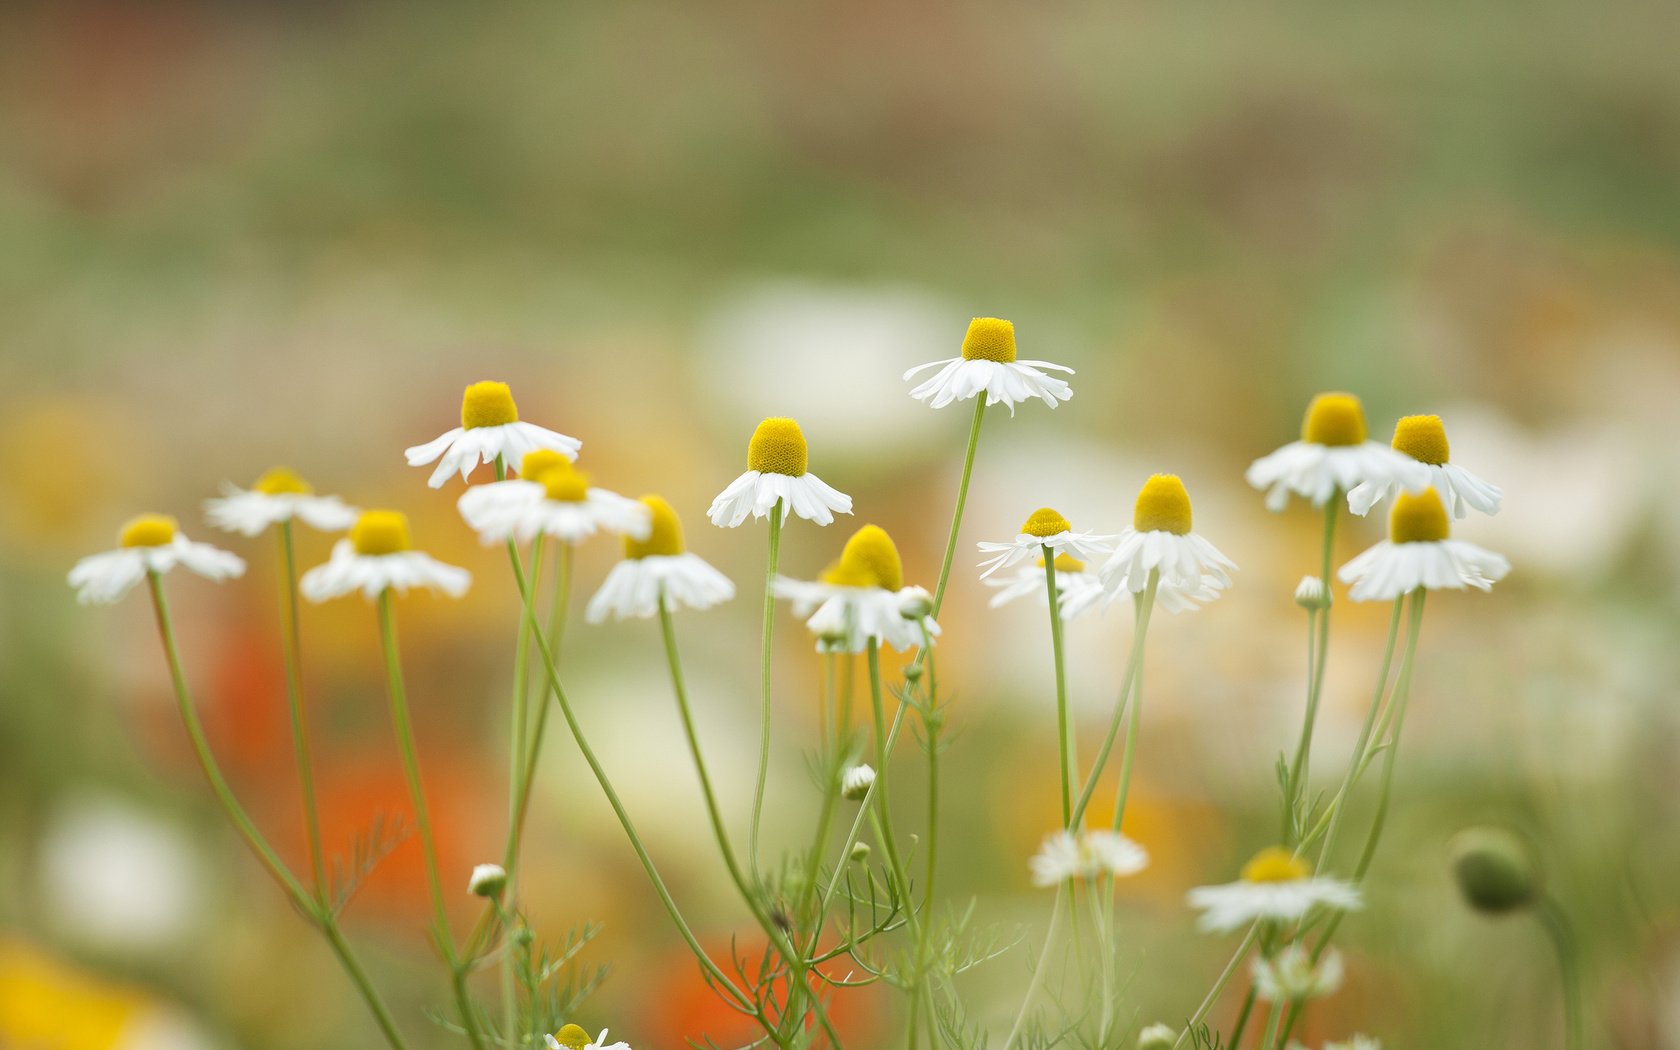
point(1275, 864)
point(572, 1037)
point(282, 481)
point(488, 404)
point(564, 483)
point(1162, 506)
point(1417, 519)
point(664, 539)
point(777, 447)
point(1422, 437)
point(870, 559)
point(989, 339)
point(1045, 523)
point(538, 460)
point(148, 530)
point(1064, 563)
point(1334, 419)
point(380, 532)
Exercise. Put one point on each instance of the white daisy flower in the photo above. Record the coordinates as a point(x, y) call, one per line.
point(1333, 456)
point(1290, 975)
point(1044, 528)
point(572, 1037)
point(1078, 590)
point(856, 782)
point(149, 543)
point(1420, 553)
point(776, 460)
point(490, 427)
point(1424, 439)
point(549, 498)
point(487, 880)
point(1276, 886)
point(278, 496)
point(1065, 856)
point(861, 597)
point(988, 363)
point(1191, 569)
point(377, 557)
point(658, 567)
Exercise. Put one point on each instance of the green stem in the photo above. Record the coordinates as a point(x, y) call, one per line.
point(1218, 986)
point(1338, 805)
point(776, 515)
point(962, 500)
point(1242, 1019)
point(358, 976)
point(293, 649)
point(1299, 768)
point(1134, 667)
point(882, 794)
point(556, 634)
point(1562, 933)
point(1064, 741)
point(1041, 969)
point(519, 714)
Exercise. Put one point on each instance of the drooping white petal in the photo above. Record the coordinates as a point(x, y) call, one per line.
point(634, 587)
point(1315, 471)
point(757, 493)
point(462, 449)
point(1006, 382)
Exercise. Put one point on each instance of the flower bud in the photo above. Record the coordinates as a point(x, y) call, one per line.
point(914, 603)
point(913, 673)
point(1312, 593)
point(860, 852)
point(1156, 1037)
point(856, 782)
point(1495, 869)
point(488, 880)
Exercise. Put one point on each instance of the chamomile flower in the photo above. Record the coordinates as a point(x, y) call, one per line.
point(490, 428)
point(861, 597)
point(1078, 590)
point(988, 363)
point(1043, 528)
point(658, 568)
point(550, 498)
point(149, 543)
point(1424, 439)
point(776, 474)
point(278, 496)
point(1333, 456)
point(1419, 552)
point(572, 1037)
point(1276, 886)
point(376, 557)
point(1191, 569)
point(856, 782)
point(1291, 975)
point(1086, 855)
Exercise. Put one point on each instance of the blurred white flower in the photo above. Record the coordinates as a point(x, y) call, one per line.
point(1086, 855)
point(1276, 885)
point(1291, 975)
point(658, 569)
point(378, 557)
point(1043, 528)
point(1424, 439)
point(149, 543)
point(1420, 553)
point(1333, 455)
point(1078, 590)
point(549, 498)
point(278, 496)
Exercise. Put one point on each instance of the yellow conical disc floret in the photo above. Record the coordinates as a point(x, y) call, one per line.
point(488, 404)
point(1421, 437)
point(572, 1037)
point(1334, 419)
point(1417, 519)
point(282, 481)
point(839, 574)
point(777, 447)
point(989, 339)
point(1275, 864)
point(1045, 523)
point(148, 530)
point(870, 559)
point(563, 482)
point(380, 532)
point(665, 538)
point(538, 460)
point(1064, 563)
point(1162, 506)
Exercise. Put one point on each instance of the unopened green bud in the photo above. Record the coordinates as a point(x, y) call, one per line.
point(860, 852)
point(1495, 869)
point(913, 673)
point(1157, 1037)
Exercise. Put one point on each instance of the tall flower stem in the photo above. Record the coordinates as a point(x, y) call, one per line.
point(1063, 890)
point(1299, 768)
point(557, 612)
point(776, 514)
point(1562, 933)
point(1134, 725)
point(518, 745)
point(1338, 805)
point(1134, 667)
point(293, 655)
point(1065, 744)
point(962, 500)
point(1219, 984)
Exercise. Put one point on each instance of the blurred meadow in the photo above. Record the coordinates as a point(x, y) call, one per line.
point(245, 234)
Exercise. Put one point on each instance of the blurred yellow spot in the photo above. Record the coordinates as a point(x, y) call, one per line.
point(777, 447)
point(1045, 523)
point(563, 482)
point(870, 558)
point(839, 574)
point(538, 460)
point(488, 404)
point(281, 481)
point(148, 530)
point(1417, 519)
point(1334, 419)
point(380, 532)
point(665, 539)
point(1064, 563)
point(572, 1037)
point(1162, 506)
point(1275, 864)
point(45, 1003)
point(1422, 437)
point(989, 339)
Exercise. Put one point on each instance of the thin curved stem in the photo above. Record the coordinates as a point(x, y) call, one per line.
point(1134, 665)
point(1338, 805)
point(962, 500)
point(1300, 767)
point(1562, 933)
point(1041, 969)
point(1218, 986)
point(292, 646)
point(556, 634)
point(1064, 739)
point(776, 514)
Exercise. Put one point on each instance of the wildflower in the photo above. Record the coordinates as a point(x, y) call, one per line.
point(1358, 1042)
point(1290, 975)
point(1495, 870)
point(1043, 528)
point(776, 474)
point(1420, 553)
point(1157, 1037)
point(1424, 439)
point(655, 569)
point(572, 1037)
point(1078, 590)
point(858, 598)
point(378, 556)
point(1332, 456)
point(1191, 569)
point(490, 429)
point(550, 498)
point(856, 782)
point(149, 543)
point(487, 880)
point(1312, 594)
point(988, 363)
point(1276, 885)
point(278, 496)
point(1065, 855)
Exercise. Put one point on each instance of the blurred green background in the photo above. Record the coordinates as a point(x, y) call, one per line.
point(236, 235)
